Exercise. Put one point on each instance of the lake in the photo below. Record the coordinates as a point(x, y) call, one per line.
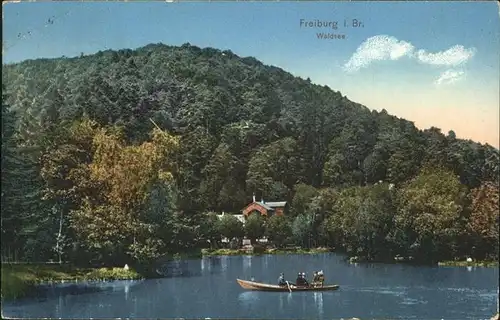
point(207, 288)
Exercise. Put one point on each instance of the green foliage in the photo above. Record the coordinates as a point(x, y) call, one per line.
point(88, 175)
point(17, 279)
point(254, 227)
point(302, 230)
point(274, 169)
point(483, 222)
point(303, 196)
point(210, 229)
point(429, 213)
point(112, 274)
point(278, 230)
point(363, 216)
point(231, 227)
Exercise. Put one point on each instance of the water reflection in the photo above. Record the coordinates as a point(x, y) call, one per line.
point(303, 302)
point(224, 262)
point(285, 301)
point(45, 291)
point(248, 298)
point(209, 264)
point(247, 262)
point(367, 292)
point(192, 268)
point(318, 299)
point(62, 291)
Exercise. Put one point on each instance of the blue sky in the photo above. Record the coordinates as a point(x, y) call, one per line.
point(432, 63)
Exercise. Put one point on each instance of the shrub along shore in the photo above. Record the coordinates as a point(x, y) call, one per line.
point(262, 250)
point(18, 279)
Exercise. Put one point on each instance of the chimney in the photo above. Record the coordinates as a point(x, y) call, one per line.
point(254, 197)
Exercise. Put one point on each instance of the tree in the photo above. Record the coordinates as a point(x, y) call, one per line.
point(274, 169)
point(231, 227)
point(303, 196)
point(24, 216)
point(254, 227)
point(429, 214)
point(210, 229)
point(278, 230)
point(10, 197)
point(302, 228)
point(242, 127)
point(364, 218)
point(483, 222)
point(125, 217)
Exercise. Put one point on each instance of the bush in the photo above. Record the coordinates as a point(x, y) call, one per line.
point(113, 274)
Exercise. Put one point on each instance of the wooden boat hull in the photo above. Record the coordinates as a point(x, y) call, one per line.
point(251, 285)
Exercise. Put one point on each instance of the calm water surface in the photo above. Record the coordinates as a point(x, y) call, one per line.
point(207, 288)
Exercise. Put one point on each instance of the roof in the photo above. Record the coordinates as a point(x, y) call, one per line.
point(265, 205)
point(276, 204)
point(268, 205)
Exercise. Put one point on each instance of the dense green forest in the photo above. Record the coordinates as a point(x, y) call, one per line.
point(119, 156)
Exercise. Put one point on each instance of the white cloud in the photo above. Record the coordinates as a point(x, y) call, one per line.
point(381, 47)
point(384, 47)
point(449, 77)
point(454, 56)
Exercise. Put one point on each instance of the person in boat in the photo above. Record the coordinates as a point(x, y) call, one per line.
point(300, 280)
point(281, 280)
point(304, 280)
point(321, 278)
point(315, 279)
point(315, 276)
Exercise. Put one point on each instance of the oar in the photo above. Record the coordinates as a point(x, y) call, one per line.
point(289, 287)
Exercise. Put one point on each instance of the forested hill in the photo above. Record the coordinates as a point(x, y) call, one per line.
point(242, 127)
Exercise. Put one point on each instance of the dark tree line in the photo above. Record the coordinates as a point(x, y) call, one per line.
point(152, 138)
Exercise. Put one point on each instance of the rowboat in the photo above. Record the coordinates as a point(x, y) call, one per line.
point(252, 285)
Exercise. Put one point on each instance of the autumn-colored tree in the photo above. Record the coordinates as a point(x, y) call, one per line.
point(121, 223)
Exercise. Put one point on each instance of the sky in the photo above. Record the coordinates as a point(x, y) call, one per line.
point(433, 63)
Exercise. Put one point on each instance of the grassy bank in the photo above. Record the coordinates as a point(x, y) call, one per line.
point(468, 264)
point(452, 263)
point(260, 251)
point(17, 279)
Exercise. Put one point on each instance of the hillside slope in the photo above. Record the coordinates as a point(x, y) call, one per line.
point(87, 175)
point(227, 107)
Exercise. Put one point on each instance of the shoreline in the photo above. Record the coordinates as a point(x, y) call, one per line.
point(485, 264)
point(19, 278)
point(257, 251)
